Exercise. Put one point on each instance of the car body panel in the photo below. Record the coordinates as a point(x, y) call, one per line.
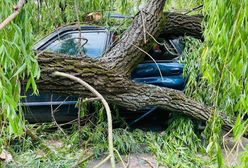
point(174, 82)
point(152, 69)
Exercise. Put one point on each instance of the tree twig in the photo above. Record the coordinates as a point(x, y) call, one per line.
point(103, 161)
point(53, 117)
point(159, 70)
point(163, 44)
point(82, 161)
point(107, 108)
point(148, 162)
point(79, 113)
point(193, 9)
point(122, 162)
point(17, 9)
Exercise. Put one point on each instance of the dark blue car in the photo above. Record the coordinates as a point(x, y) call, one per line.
point(93, 42)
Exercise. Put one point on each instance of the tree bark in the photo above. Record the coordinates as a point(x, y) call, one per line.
point(180, 25)
point(110, 75)
point(116, 88)
point(125, 55)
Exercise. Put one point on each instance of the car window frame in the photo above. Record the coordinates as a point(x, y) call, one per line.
point(46, 41)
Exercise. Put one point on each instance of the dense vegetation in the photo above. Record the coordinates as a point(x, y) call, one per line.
point(221, 60)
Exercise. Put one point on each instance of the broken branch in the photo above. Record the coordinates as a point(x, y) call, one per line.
point(105, 104)
point(17, 9)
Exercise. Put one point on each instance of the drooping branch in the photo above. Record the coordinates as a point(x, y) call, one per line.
point(106, 106)
point(17, 9)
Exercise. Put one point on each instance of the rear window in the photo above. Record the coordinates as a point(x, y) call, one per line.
point(91, 44)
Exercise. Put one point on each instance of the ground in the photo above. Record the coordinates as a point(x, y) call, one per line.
point(62, 152)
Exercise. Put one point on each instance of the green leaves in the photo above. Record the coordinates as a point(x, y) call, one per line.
point(17, 60)
point(223, 65)
point(17, 63)
point(179, 145)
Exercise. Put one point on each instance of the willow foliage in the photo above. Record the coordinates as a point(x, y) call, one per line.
point(224, 59)
point(17, 63)
point(222, 66)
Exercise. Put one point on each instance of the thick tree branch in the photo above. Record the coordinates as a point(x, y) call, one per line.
point(177, 24)
point(173, 24)
point(17, 9)
point(123, 55)
point(116, 88)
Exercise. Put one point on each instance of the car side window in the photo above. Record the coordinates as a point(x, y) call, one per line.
point(91, 44)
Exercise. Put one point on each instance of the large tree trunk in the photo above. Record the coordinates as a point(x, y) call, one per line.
point(110, 75)
point(116, 88)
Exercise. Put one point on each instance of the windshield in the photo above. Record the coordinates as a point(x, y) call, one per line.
point(91, 44)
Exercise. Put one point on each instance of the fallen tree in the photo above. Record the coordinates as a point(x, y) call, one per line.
point(180, 25)
point(110, 75)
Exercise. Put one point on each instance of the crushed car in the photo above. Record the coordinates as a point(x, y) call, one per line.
point(94, 41)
